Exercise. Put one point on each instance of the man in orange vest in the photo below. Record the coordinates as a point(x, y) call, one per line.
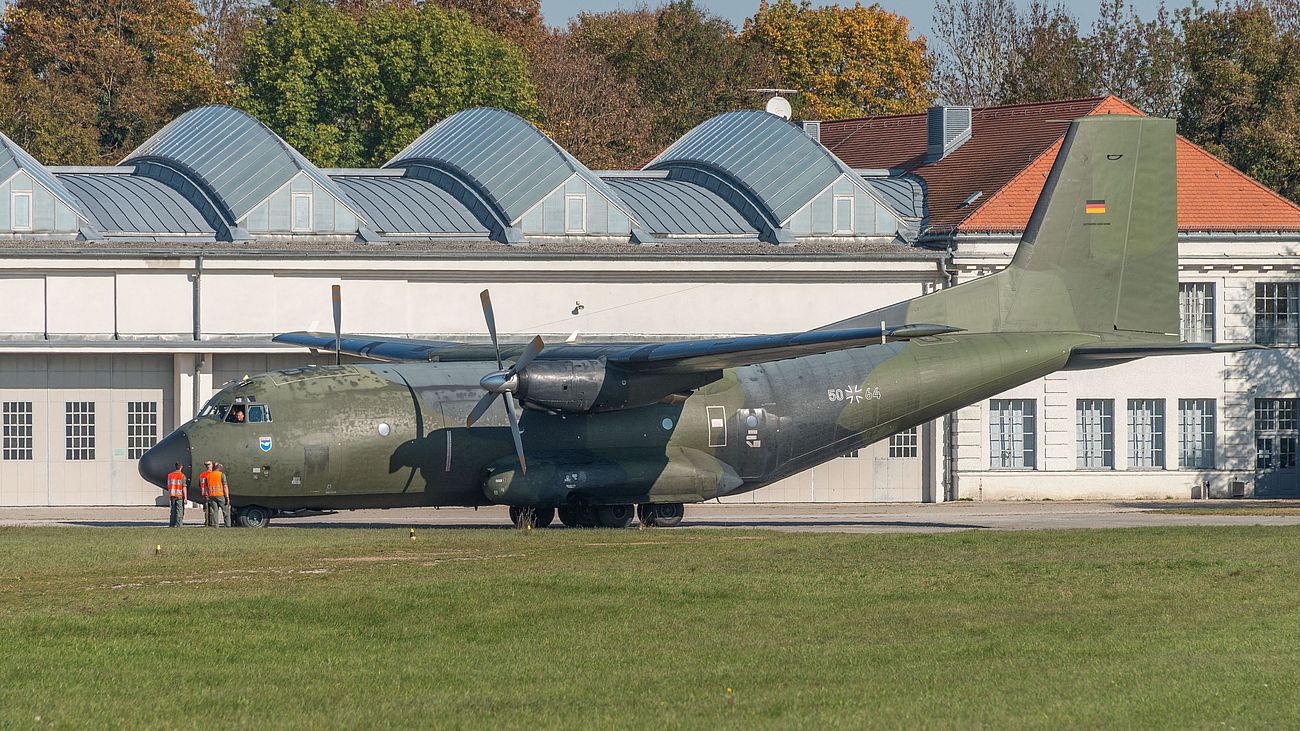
point(176, 491)
point(217, 495)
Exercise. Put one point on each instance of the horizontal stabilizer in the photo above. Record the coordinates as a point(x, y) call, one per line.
point(1101, 352)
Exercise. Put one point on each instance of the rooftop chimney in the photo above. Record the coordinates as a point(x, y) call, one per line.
point(946, 128)
point(813, 129)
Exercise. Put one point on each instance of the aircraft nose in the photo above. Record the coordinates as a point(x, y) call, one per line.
point(162, 457)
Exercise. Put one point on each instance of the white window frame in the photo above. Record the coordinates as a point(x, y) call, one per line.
point(581, 200)
point(79, 431)
point(838, 226)
point(1277, 313)
point(905, 444)
point(13, 210)
point(141, 427)
point(1196, 433)
point(1146, 434)
point(1277, 433)
point(293, 212)
point(1013, 434)
point(1095, 434)
point(1196, 311)
point(17, 426)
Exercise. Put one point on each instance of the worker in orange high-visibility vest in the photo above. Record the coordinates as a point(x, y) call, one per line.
point(218, 496)
point(204, 480)
point(176, 493)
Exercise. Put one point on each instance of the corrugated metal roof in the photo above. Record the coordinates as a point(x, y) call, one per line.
point(768, 156)
point(679, 208)
point(14, 158)
point(120, 204)
point(236, 157)
point(399, 205)
point(503, 156)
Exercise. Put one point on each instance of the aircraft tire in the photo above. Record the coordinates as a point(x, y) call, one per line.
point(615, 516)
point(536, 517)
point(252, 516)
point(572, 515)
point(661, 515)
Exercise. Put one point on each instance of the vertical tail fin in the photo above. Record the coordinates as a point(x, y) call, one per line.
point(1100, 253)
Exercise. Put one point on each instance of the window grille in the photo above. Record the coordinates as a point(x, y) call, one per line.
point(1275, 433)
point(16, 430)
point(1146, 433)
point(1277, 313)
point(1095, 420)
point(1012, 434)
point(1196, 308)
point(904, 443)
point(1196, 433)
point(79, 430)
point(141, 427)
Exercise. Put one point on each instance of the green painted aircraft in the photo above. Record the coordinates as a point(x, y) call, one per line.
point(609, 431)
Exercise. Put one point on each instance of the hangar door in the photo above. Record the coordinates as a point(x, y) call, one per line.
point(73, 427)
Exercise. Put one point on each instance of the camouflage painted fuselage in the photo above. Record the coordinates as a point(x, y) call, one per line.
point(393, 434)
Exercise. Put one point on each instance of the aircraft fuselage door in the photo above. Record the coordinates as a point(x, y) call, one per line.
point(755, 443)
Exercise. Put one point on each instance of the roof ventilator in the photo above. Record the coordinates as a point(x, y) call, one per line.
point(946, 128)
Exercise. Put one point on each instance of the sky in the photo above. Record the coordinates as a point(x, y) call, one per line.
point(558, 12)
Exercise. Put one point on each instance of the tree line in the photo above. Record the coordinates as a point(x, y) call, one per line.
point(351, 82)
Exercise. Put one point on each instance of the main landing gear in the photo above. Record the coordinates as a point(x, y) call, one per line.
point(651, 515)
point(252, 516)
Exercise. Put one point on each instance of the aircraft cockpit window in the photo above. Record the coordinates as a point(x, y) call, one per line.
point(220, 411)
point(237, 414)
point(258, 413)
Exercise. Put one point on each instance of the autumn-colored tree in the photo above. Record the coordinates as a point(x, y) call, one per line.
point(1136, 60)
point(1243, 92)
point(685, 64)
point(978, 41)
point(519, 21)
point(586, 107)
point(845, 61)
point(226, 23)
point(1050, 60)
point(85, 81)
point(353, 87)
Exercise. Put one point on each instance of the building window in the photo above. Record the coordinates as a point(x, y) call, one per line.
point(301, 211)
point(1146, 433)
point(1012, 434)
point(1095, 419)
point(575, 214)
point(79, 430)
point(1275, 433)
point(843, 214)
point(1196, 433)
point(1196, 307)
point(20, 202)
point(16, 430)
point(904, 443)
point(141, 427)
point(1276, 305)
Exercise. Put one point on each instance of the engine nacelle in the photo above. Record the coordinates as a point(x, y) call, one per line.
point(580, 386)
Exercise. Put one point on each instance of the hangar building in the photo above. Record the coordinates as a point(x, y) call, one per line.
point(129, 293)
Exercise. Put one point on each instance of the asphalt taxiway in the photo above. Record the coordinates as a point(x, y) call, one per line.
point(814, 517)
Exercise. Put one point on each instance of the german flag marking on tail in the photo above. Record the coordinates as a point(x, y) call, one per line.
point(1094, 207)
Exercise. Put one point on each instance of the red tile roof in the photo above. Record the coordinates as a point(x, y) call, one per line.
point(1011, 150)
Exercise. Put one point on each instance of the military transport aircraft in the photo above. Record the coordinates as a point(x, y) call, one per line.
point(607, 431)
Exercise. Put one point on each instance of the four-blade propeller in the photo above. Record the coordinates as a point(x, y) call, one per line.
point(504, 382)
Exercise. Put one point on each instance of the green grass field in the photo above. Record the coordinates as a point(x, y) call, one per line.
point(1176, 628)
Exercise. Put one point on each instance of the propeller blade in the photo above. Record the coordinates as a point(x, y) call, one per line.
point(514, 432)
point(336, 294)
point(530, 352)
point(480, 408)
point(486, 299)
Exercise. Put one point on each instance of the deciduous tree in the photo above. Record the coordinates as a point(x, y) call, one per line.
point(1243, 92)
point(350, 89)
point(85, 81)
point(845, 61)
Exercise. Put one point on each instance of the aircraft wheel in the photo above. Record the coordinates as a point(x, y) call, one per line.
point(252, 516)
point(661, 515)
point(615, 516)
point(572, 515)
point(536, 517)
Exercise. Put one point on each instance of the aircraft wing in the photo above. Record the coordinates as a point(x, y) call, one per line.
point(682, 356)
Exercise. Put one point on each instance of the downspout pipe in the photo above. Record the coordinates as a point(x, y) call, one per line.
point(198, 298)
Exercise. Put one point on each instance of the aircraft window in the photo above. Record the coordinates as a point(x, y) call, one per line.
point(237, 414)
point(220, 411)
point(258, 413)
